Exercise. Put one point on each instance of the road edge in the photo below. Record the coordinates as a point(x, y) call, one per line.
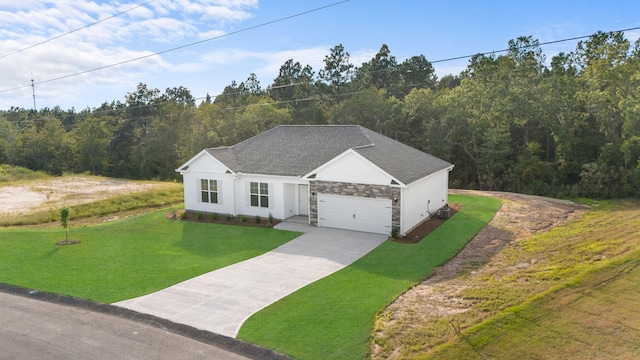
point(223, 342)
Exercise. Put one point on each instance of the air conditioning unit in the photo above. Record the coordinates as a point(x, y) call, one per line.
point(444, 213)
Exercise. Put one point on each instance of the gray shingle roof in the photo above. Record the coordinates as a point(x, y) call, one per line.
point(296, 150)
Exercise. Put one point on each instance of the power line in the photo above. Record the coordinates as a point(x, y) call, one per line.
point(314, 82)
point(528, 46)
point(185, 46)
point(75, 30)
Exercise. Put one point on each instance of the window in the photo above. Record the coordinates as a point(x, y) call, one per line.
point(209, 191)
point(259, 194)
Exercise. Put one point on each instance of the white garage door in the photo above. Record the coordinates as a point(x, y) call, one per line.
point(355, 213)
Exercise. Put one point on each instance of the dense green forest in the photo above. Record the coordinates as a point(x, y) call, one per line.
point(514, 122)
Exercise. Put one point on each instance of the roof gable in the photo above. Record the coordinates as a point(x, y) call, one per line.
point(404, 162)
point(352, 167)
point(204, 160)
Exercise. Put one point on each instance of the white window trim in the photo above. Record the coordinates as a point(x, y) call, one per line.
point(218, 191)
point(269, 194)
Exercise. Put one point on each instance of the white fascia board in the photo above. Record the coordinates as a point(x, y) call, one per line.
point(289, 178)
point(447, 169)
point(198, 155)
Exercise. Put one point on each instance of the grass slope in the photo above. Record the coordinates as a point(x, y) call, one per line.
point(584, 303)
point(594, 318)
point(332, 318)
point(127, 258)
point(10, 173)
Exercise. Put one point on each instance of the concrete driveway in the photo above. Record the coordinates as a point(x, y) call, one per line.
point(221, 301)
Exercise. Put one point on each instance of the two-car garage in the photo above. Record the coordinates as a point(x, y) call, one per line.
point(355, 213)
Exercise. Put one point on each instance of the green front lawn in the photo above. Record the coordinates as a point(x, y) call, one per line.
point(127, 258)
point(333, 318)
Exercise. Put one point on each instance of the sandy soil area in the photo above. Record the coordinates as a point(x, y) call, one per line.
point(56, 193)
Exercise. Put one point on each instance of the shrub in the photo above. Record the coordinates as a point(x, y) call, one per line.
point(214, 216)
point(183, 215)
point(243, 219)
point(229, 217)
point(270, 218)
point(258, 219)
point(200, 216)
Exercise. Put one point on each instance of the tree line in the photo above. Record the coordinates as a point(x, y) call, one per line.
point(513, 122)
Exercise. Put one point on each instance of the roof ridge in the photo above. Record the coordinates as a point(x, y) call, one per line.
point(366, 135)
point(256, 135)
point(230, 151)
point(396, 142)
point(317, 125)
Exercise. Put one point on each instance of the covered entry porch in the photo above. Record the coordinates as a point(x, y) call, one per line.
point(296, 203)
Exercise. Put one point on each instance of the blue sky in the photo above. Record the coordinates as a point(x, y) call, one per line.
point(436, 29)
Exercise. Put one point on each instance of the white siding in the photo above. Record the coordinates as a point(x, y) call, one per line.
point(278, 195)
point(353, 168)
point(205, 166)
point(206, 163)
point(192, 199)
point(422, 197)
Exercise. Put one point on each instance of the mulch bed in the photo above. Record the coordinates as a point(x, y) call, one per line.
point(426, 227)
point(221, 219)
point(68, 242)
point(413, 237)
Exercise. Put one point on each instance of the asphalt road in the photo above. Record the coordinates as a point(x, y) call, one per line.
point(36, 329)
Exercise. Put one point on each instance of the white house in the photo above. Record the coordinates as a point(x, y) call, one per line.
point(341, 176)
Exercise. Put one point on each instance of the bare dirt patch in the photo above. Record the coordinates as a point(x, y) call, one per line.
point(68, 191)
point(519, 217)
point(438, 297)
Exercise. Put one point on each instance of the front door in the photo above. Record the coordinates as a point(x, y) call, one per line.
point(303, 196)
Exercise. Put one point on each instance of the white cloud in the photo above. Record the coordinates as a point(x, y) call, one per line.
point(158, 26)
point(632, 35)
point(225, 13)
point(453, 68)
point(13, 5)
point(228, 11)
point(268, 63)
point(361, 56)
point(162, 30)
point(211, 34)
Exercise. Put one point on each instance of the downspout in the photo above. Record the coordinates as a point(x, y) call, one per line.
point(402, 232)
point(235, 198)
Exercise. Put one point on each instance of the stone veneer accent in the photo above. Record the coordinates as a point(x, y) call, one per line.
point(353, 189)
